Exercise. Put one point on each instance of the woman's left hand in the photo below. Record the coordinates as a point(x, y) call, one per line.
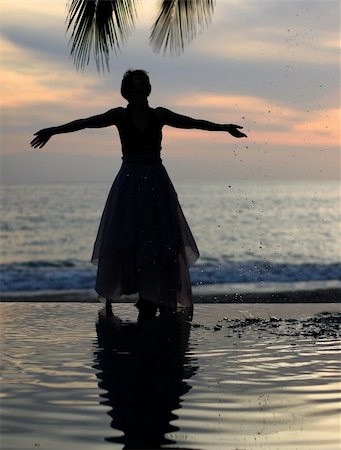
point(234, 130)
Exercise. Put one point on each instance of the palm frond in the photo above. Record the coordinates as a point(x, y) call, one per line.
point(97, 27)
point(178, 22)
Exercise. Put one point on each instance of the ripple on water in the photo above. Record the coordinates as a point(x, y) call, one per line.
point(256, 387)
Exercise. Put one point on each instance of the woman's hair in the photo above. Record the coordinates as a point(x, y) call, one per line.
point(127, 82)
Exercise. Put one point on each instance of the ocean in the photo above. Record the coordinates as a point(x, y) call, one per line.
point(248, 233)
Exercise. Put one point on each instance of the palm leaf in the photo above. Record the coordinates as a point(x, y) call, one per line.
point(178, 22)
point(98, 26)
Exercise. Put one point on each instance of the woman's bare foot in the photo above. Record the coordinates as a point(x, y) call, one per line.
point(147, 309)
point(108, 308)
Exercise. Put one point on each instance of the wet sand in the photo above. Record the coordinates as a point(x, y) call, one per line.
point(236, 376)
point(223, 293)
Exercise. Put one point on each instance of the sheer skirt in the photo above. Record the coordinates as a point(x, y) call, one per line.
point(144, 243)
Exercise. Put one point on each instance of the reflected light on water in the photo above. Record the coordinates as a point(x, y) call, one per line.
point(75, 379)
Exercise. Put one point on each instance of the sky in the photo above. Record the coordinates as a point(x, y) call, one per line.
point(272, 66)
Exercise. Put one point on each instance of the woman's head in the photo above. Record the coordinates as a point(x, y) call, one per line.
point(135, 85)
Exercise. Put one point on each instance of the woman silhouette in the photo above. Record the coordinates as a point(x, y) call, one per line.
point(143, 243)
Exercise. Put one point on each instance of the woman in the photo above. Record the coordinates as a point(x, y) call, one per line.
point(143, 243)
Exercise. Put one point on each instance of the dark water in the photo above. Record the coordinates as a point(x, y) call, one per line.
point(76, 378)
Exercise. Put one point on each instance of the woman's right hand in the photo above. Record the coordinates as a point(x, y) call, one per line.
point(42, 137)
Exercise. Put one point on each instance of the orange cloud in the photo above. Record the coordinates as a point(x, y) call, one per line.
point(30, 83)
point(267, 122)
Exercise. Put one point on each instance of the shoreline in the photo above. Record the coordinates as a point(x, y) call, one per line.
point(328, 295)
point(201, 294)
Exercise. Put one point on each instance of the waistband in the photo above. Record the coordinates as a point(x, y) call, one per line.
point(142, 158)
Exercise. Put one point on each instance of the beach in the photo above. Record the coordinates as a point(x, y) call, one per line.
point(236, 376)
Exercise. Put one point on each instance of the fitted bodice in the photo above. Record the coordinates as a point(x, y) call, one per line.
point(137, 142)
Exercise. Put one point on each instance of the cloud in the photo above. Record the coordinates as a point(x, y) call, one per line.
point(275, 63)
point(268, 122)
point(40, 32)
point(292, 30)
point(29, 85)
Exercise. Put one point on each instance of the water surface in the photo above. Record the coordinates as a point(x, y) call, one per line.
point(246, 232)
point(75, 378)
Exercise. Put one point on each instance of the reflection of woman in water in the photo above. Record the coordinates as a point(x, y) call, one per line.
point(144, 243)
point(144, 370)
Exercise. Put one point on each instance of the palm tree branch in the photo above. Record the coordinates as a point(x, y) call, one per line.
point(98, 26)
point(178, 22)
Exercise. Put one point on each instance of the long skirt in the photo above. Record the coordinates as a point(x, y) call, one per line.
point(144, 244)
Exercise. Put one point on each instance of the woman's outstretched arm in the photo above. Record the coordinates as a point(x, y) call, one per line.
point(179, 121)
point(102, 120)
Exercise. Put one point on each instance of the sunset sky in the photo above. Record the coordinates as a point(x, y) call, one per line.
point(271, 66)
